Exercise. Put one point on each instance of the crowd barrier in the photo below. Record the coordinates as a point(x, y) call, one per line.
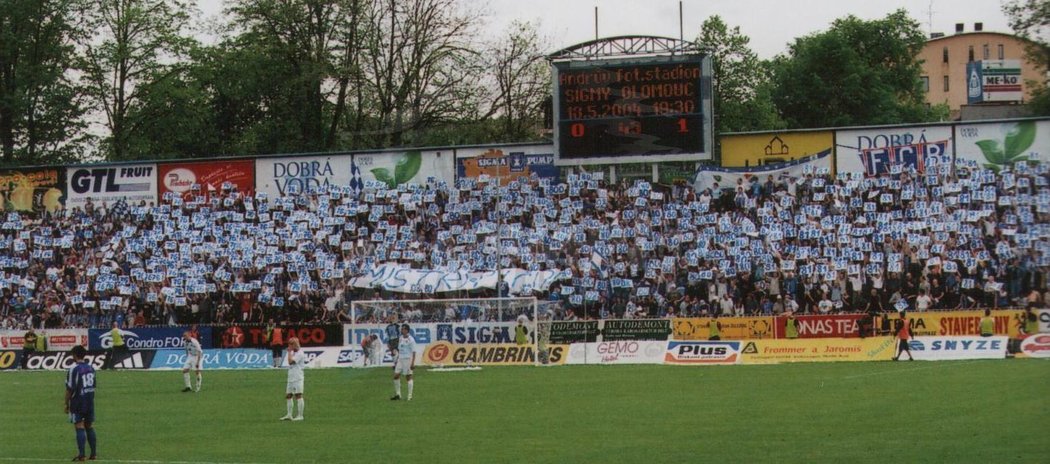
point(939, 336)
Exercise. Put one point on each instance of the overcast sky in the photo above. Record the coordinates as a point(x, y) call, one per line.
point(770, 24)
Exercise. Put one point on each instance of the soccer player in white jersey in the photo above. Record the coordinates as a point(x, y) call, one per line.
point(296, 360)
point(194, 359)
point(406, 361)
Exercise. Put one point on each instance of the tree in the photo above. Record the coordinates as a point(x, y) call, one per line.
point(137, 45)
point(741, 80)
point(1030, 19)
point(519, 81)
point(855, 73)
point(40, 105)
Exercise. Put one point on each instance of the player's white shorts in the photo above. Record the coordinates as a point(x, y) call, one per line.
point(192, 363)
point(403, 367)
point(294, 388)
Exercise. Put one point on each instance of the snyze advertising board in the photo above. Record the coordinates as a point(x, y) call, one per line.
point(949, 348)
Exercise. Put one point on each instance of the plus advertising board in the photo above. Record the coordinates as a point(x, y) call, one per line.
point(133, 183)
point(206, 178)
point(33, 189)
point(952, 348)
point(875, 151)
point(618, 352)
point(702, 353)
point(507, 163)
point(1001, 144)
point(818, 350)
point(216, 359)
point(147, 338)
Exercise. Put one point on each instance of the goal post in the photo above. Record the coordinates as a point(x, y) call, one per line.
point(458, 331)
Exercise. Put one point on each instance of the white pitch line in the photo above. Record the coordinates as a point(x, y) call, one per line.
point(933, 365)
point(125, 461)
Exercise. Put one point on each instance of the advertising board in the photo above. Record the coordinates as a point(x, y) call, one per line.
point(215, 359)
point(874, 151)
point(32, 189)
point(700, 353)
point(951, 348)
point(206, 178)
point(133, 183)
point(617, 352)
point(818, 350)
point(450, 354)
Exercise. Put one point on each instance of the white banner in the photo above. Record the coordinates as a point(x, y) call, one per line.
point(280, 176)
point(410, 167)
point(999, 144)
point(950, 348)
point(706, 176)
point(624, 352)
point(133, 183)
point(57, 339)
point(1044, 320)
point(398, 278)
point(1036, 346)
point(344, 356)
point(875, 151)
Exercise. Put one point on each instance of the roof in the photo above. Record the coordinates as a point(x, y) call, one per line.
point(969, 34)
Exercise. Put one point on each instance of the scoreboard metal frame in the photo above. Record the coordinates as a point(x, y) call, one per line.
point(629, 119)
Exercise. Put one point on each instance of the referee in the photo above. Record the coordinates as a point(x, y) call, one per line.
point(118, 348)
point(28, 346)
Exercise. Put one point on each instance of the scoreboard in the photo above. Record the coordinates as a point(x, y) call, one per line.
point(651, 109)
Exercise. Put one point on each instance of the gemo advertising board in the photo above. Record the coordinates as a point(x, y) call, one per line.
point(133, 183)
point(618, 352)
point(747, 150)
point(874, 151)
point(950, 348)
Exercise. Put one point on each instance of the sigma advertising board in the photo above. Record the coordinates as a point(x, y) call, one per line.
point(36, 189)
point(874, 151)
point(206, 178)
point(747, 150)
point(507, 163)
point(997, 145)
point(133, 183)
point(994, 81)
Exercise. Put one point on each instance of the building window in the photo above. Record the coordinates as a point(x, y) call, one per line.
point(945, 83)
point(925, 83)
point(945, 54)
point(971, 54)
point(1001, 55)
point(987, 52)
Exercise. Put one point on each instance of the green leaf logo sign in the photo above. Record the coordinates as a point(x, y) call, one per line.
point(1019, 138)
point(405, 169)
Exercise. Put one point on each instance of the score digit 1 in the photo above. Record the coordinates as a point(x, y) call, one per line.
point(682, 127)
point(576, 129)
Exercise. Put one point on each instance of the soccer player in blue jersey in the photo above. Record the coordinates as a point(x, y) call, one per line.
point(80, 401)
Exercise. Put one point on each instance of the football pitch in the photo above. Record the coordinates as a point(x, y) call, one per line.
point(962, 411)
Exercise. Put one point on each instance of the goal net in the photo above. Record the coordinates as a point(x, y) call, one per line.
point(453, 332)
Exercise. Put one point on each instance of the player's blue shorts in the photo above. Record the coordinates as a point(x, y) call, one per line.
point(85, 417)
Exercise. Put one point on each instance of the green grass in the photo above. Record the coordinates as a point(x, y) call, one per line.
point(977, 411)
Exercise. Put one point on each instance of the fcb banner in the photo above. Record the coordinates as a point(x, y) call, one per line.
point(733, 328)
point(33, 190)
point(449, 354)
point(818, 350)
point(206, 178)
point(953, 323)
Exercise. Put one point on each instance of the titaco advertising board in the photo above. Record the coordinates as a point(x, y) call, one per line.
point(133, 183)
point(874, 151)
point(209, 177)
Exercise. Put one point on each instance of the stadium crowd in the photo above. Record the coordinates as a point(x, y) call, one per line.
point(949, 238)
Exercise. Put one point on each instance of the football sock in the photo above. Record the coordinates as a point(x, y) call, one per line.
point(81, 438)
point(91, 440)
point(410, 385)
point(290, 407)
point(186, 378)
point(302, 405)
point(397, 387)
point(199, 381)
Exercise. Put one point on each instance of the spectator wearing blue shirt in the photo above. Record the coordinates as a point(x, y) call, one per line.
point(80, 401)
